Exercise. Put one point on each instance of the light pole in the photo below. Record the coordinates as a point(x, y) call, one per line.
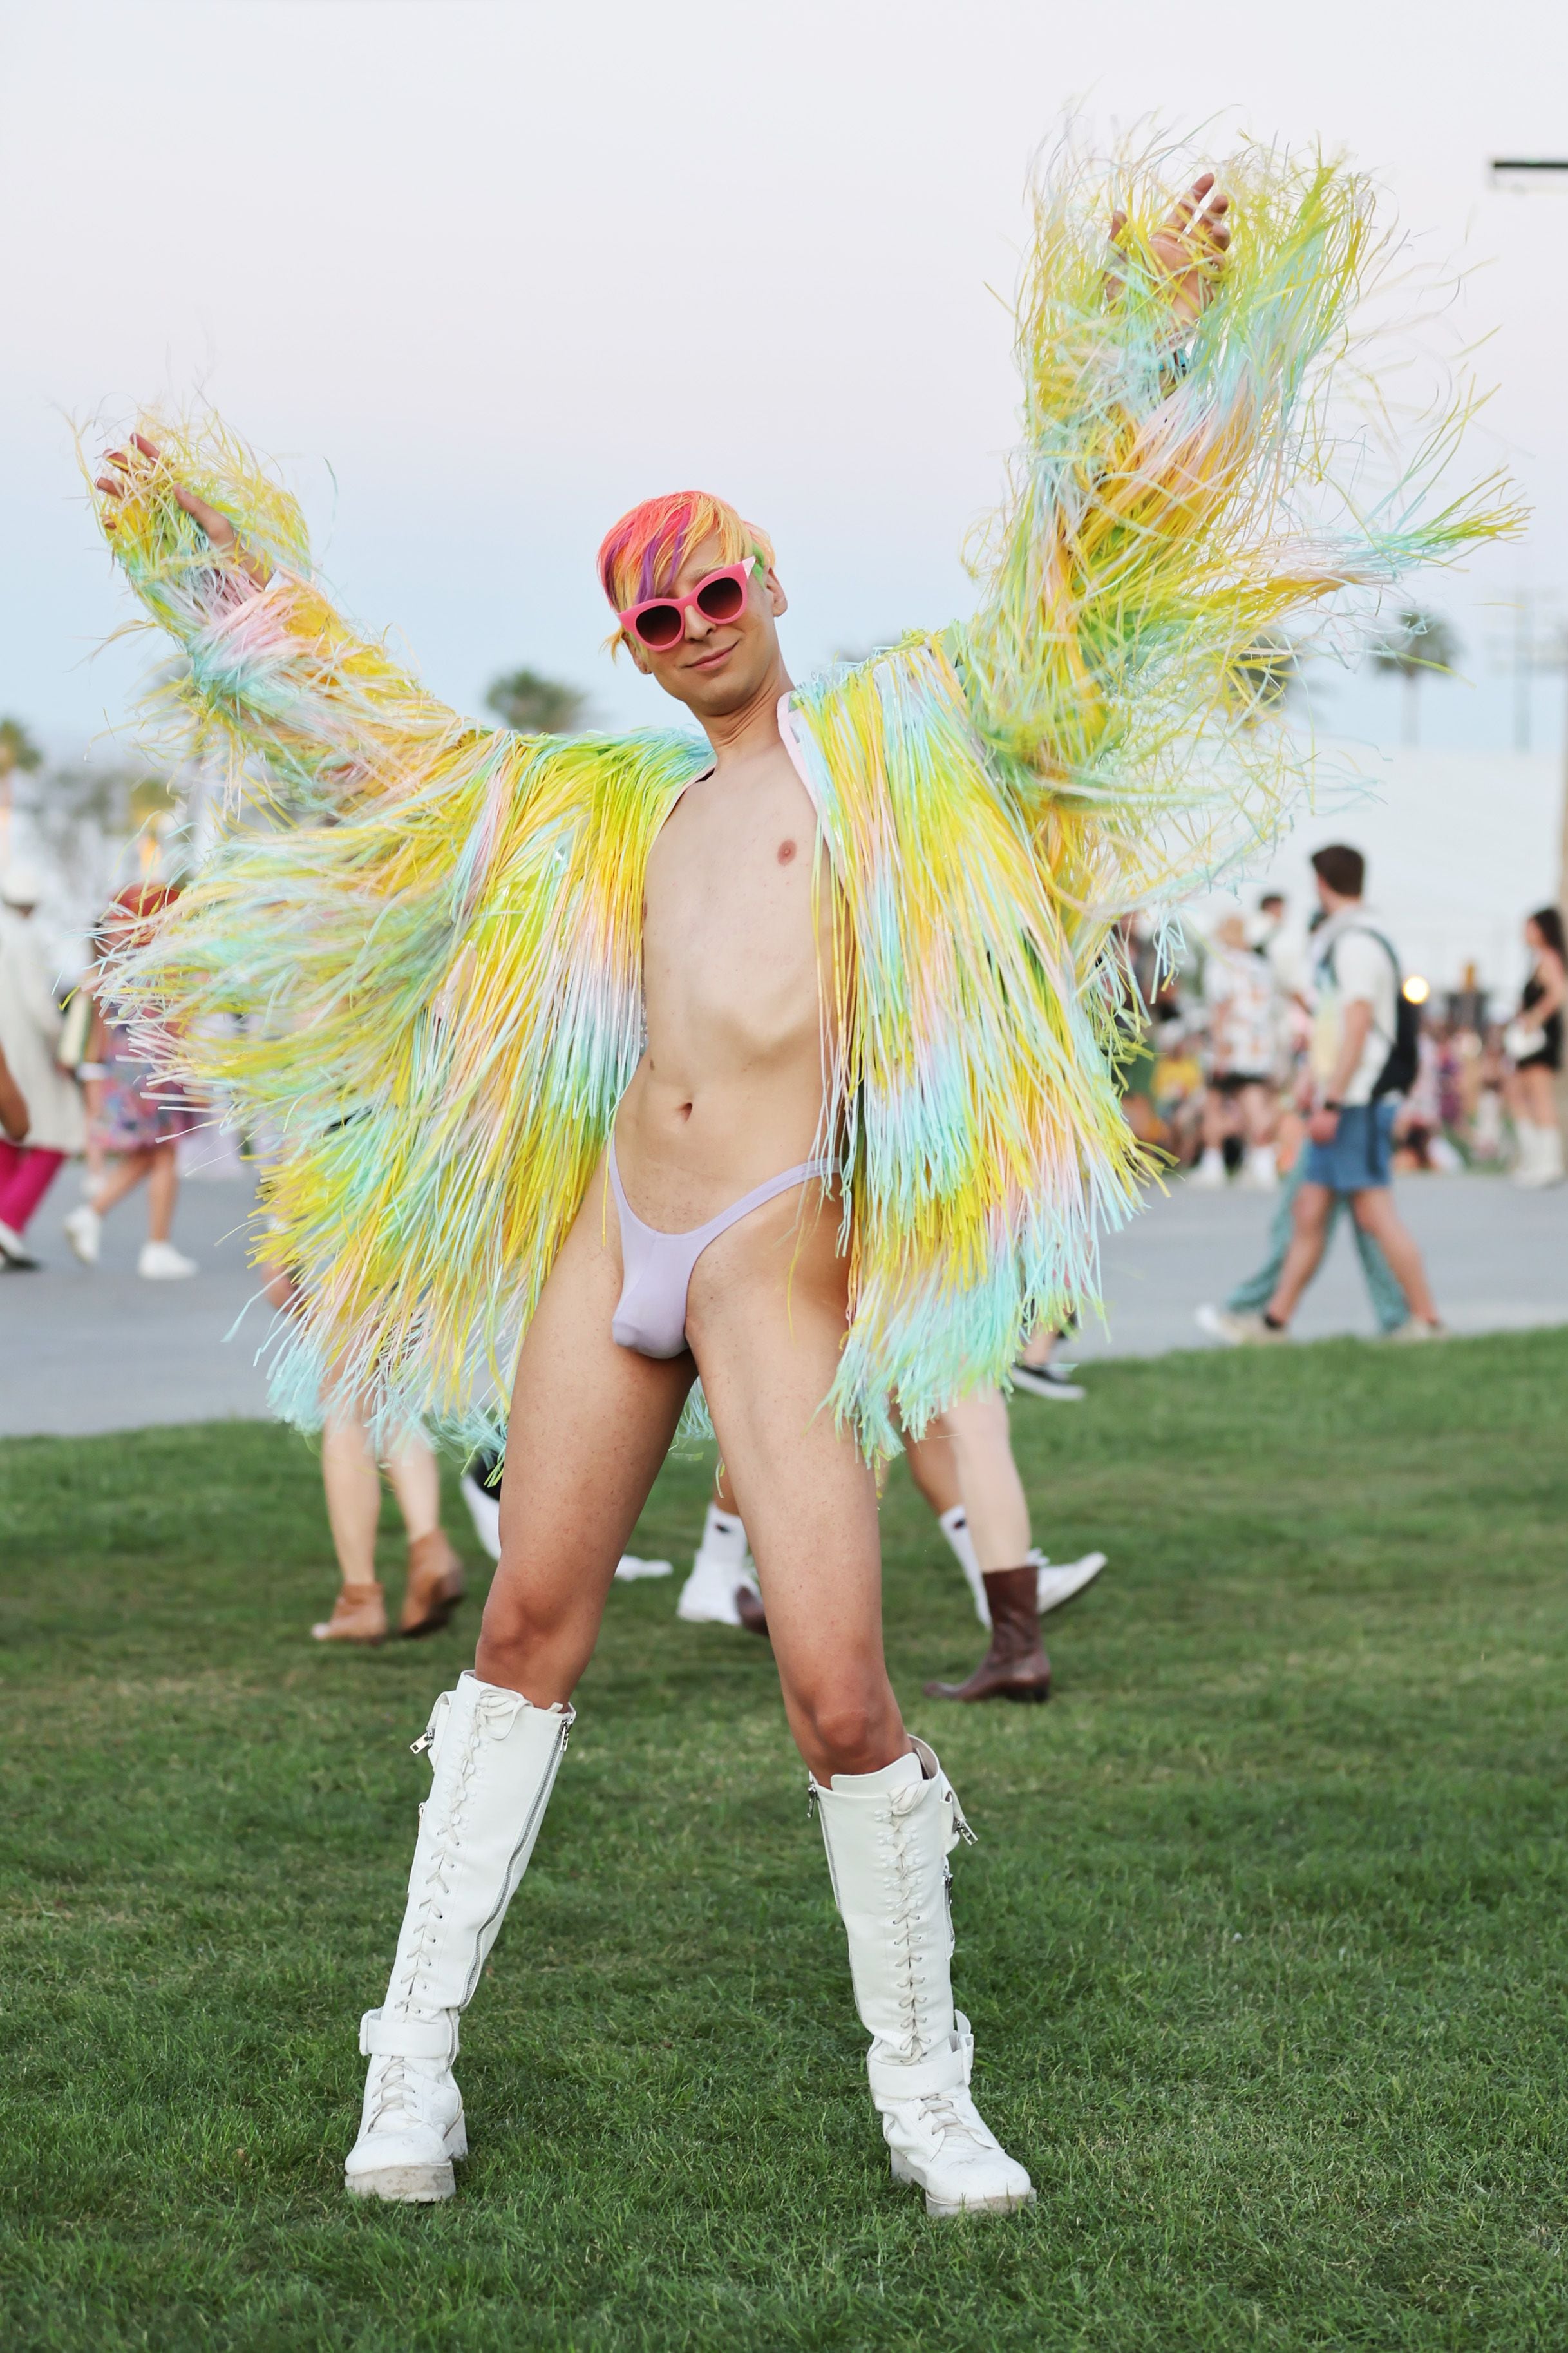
point(1523, 173)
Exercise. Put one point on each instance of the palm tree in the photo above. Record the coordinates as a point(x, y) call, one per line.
point(532, 705)
point(1418, 644)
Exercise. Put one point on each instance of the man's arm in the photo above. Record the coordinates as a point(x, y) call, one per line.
point(1323, 1125)
point(219, 555)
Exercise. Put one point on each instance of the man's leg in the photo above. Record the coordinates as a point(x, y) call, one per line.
point(1389, 1304)
point(591, 1423)
point(766, 1318)
point(1376, 1215)
point(1311, 1216)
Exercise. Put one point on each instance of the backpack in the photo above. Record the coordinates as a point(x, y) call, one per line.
point(1397, 1075)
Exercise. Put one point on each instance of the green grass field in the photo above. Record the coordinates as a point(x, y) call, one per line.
point(1263, 1942)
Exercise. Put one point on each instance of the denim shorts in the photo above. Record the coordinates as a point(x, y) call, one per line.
point(1359, 1156)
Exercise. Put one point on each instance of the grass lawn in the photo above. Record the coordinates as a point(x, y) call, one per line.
point(1263, 1940)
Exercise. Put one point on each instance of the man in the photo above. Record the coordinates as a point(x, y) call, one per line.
point(785, 1064)
point(1358, 1078)
point(31, 1024)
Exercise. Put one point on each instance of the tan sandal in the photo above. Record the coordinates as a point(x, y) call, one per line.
point(435, 1585)
point(358, 1616)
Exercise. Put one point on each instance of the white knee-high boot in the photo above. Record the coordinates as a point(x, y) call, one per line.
point(888, 1837)
point(495, 1758)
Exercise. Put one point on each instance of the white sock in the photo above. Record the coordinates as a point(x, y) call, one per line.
point(955, 1526)
point(724, 1537)
point(905, 1769)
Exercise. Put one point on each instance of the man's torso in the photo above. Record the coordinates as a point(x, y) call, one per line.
point(730, 1088)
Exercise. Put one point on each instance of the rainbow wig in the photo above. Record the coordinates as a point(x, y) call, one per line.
point(640, 555)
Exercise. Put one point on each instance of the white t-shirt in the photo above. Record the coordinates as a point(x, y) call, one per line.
point(1363, 970)
point(1246, 1033)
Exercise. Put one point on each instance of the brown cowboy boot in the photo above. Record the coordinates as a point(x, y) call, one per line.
point(749, 1610)
point(359, 1615)
point(435, 1585)
point(1015, 1667)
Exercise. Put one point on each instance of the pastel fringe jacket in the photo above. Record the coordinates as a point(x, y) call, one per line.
point(417, 973)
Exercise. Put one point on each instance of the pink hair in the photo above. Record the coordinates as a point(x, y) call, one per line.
point(640, 555)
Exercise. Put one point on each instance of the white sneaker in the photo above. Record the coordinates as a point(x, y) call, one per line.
point(1246, 1331)
point(629, 1569)
point(84, 1231)
point(484, 1510)
point(13, 1250)
point(162, 1263)
point(708, 1596)
point(1059, 1581)
point(1046, 1381)
point(1260, 1173)
point(1209, 1176)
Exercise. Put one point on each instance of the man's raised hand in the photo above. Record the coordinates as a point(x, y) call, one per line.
point(1188, 248)
point(139, 459)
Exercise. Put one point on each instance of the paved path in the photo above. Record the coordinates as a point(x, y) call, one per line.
point(83, 1350)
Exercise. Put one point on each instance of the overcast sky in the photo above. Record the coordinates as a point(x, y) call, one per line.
point(486, 271)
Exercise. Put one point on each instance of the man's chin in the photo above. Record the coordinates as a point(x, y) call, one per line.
point(714, 694)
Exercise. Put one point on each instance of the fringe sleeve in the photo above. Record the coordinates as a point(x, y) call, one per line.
point(306, 712)
point(417, 988)
point(1170, 510)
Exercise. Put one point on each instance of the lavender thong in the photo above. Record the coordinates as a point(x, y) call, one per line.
point(656, 1267)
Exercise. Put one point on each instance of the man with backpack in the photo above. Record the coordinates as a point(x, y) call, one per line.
point(1365, 1037)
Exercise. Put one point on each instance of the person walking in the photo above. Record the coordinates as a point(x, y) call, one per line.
point(1362, 1059)
point(1534, 1041)
point(138, 1130)
point(31, 1023)
point(1238, 990)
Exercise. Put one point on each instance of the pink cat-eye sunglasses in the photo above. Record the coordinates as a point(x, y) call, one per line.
point(659, 622)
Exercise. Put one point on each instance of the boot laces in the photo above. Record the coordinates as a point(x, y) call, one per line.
point(950, 2114)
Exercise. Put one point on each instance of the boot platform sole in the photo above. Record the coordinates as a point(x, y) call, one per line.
point(405, 2185)
point(413, 2185)
point(950, 2209)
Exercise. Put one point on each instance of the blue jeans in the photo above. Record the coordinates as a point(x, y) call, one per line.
point(1251, 1297)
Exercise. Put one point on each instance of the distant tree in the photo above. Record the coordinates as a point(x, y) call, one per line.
point(1418, 644)
point(1262, 678)
point(17, 749)
point(535, 705)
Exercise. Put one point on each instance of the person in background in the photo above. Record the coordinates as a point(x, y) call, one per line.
point(1238, 990)
point(1358, 1075)
point(351, 1475)
point(13, 1109)
point(1036, 1374)
point(964, 1469)
point(31, 1023)
point(136, 1130)
point(1534, 1041)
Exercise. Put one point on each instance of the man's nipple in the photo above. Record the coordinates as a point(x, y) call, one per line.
point(786, 853)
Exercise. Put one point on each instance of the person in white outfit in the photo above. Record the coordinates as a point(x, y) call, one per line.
point(1244, 1030)
point(31, 1024)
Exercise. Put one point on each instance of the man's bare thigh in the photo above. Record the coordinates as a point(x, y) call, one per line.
point(590, 1422)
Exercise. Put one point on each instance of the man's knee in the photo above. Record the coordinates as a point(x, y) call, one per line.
point(847, 1721)
point(1310, 1213)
